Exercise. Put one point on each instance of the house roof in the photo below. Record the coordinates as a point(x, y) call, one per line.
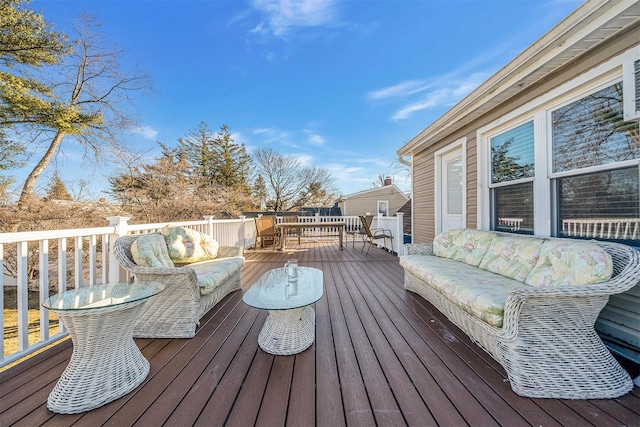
point(585, 28)
point(374, 190)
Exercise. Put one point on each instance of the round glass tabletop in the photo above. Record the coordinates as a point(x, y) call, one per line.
point(273, 291)
point(100, 296)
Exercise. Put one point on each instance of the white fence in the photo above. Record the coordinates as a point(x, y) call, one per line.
point(89, 253)
point(605, 228)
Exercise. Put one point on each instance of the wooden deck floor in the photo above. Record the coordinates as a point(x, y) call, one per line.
point(382, 356)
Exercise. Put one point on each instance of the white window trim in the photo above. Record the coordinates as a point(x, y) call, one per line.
point(458, 144)
point(378, 207)
point(540, 110)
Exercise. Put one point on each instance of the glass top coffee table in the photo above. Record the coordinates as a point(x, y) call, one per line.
point(106, 363)
point(290, 327)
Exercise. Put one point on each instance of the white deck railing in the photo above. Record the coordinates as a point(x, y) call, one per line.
point(89, 253)
point(603, 228)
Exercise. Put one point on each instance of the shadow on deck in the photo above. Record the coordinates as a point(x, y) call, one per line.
point(382, 356)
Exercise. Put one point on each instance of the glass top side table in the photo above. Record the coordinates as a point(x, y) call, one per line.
point(105, 364)
point(290, 326)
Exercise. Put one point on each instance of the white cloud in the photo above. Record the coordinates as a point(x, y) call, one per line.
point(315, 139)
point(283, 15)
point(304, 159)
point(418, 95)
point(146, 132)
point(402, 89)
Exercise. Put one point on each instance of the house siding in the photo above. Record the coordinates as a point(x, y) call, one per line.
point(367, 201)
point(620, 319)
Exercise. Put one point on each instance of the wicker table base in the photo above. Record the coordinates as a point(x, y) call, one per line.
point(287, 332)
point(106, 363)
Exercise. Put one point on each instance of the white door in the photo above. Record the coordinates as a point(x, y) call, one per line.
point(451, 189)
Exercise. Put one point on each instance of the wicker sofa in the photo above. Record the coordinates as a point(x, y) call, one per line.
point(531, 303)
point(192, 288)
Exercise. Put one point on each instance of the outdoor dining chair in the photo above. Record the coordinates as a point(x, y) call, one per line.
point(358, 230)
point(372, 234)
point(296, 231)
point(266, 230)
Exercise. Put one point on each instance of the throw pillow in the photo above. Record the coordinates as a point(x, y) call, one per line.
point(186, 246)
point(150, 250)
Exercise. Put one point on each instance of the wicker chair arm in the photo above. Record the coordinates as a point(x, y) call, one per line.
point(229, 251)
point(418, 249)
point(179, 279)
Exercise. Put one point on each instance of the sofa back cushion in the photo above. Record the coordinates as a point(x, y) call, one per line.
point(570, 262)
point(150, 250)
point(463, 244)
point(185, 245)
point(512, 256)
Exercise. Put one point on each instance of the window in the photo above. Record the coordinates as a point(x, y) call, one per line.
point(590, 135)
point(512, 172)
point(577, 175)
point(601, 205)
point(383, 208)
point(591, 132)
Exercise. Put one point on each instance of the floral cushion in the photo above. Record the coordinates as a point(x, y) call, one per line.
point(566, 262)
point(214, 272)
point(480, 293)
point(512, 256)
point(150, 250)
point(465, 245)
point(186, 246)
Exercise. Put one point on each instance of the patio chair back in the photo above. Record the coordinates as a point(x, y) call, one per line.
point(372, 234)
point(266, 230)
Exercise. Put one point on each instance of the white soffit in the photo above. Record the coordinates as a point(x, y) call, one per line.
point(586, 27)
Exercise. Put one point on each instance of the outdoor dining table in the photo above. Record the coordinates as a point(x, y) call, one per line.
point(106, 363)
point(285, 226)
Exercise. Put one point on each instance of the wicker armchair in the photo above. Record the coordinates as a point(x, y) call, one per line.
point(548, 344)
point(176, 312)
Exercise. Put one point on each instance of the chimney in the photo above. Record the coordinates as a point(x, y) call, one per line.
point(387, 181)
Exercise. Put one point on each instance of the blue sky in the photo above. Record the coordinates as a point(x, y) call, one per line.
point(339, 84)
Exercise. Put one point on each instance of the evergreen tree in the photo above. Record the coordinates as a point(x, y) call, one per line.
point(231, 162)
point(197, 146)
point(260, 192)
point(27, 44)
point(57, 190)
point(217, 158)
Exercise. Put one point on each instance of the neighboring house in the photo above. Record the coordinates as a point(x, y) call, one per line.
point(385, 200)
point(542, 148)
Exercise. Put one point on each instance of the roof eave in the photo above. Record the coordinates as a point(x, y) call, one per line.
point(572, 37)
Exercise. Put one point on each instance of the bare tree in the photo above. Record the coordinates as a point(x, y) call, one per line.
point(98, 92)
point(290, 185)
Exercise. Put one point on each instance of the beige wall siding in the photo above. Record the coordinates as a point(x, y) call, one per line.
point(360, 204)
point(423, 194)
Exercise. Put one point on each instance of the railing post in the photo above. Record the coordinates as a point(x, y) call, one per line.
point(399, 231)
point(243, 232)
point(121, 224)
point(209, 219)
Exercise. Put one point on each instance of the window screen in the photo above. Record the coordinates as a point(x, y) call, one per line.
point(512, 154)
point(591, 132)
point(513, 208)
point(600, 205)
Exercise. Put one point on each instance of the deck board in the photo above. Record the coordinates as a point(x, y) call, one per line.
point(382, 356)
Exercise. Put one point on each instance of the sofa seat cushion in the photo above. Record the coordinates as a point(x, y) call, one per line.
point(565, 262)
point(465, 245)
point(150, 250)
point(512, 256)
point(213, 272)
point(186, 246)
point(479, 292)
